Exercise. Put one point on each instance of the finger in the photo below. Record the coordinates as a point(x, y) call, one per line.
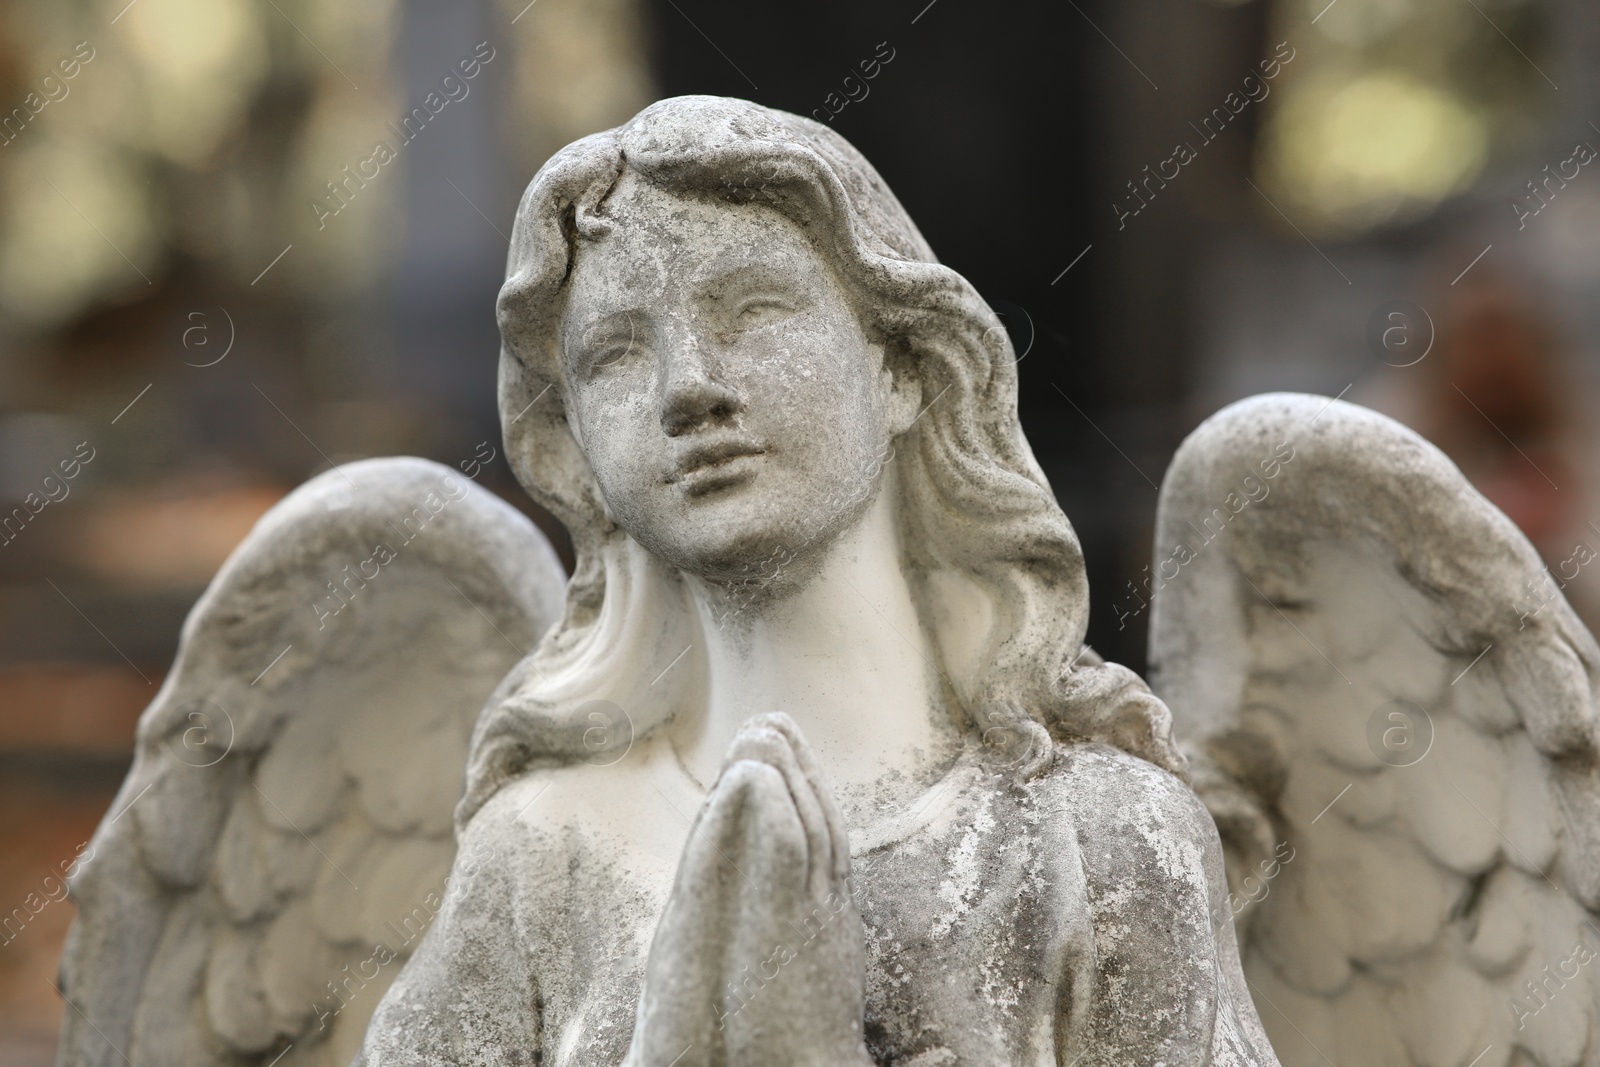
point(812, 770)
point(717, 836)
point(771, 854)
point(766, 745)
point(765, 840)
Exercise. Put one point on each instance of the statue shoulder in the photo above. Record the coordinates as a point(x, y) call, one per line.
point(1135, 822)
point(1167, 982)
point(635, 809)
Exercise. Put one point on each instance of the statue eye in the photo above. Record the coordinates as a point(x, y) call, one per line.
point(760, 310)
point(610, 355)
point(607, 344)
point(603, 356)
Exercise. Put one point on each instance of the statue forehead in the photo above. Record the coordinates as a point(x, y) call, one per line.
point(660, 238)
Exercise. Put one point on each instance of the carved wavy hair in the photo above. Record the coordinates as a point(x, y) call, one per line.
point(995, 567)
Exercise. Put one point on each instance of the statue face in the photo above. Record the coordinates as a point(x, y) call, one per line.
point(732, 408)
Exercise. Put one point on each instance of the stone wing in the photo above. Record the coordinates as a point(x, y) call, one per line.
point(1391, 715)
point(285, 831)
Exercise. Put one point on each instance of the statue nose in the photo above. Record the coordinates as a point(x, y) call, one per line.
point(694, 392)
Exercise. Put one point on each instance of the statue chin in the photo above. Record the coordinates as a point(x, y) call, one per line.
point(750, 537)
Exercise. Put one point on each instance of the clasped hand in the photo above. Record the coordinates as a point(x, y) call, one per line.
point(759, 958)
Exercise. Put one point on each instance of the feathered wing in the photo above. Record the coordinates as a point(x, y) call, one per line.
point(1391, 713)
point(285, 831)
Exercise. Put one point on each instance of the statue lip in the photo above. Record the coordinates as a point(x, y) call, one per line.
point(706, 466)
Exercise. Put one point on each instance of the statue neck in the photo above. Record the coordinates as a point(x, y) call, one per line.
point(845, 656)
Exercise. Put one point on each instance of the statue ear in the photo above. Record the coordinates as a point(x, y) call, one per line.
point(903, 391)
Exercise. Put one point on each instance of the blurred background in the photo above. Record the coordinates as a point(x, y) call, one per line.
point(207, 295)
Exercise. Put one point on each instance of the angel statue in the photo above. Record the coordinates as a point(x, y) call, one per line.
point(810, 763)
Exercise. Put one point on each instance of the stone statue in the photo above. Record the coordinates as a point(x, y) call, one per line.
point(809, 764)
